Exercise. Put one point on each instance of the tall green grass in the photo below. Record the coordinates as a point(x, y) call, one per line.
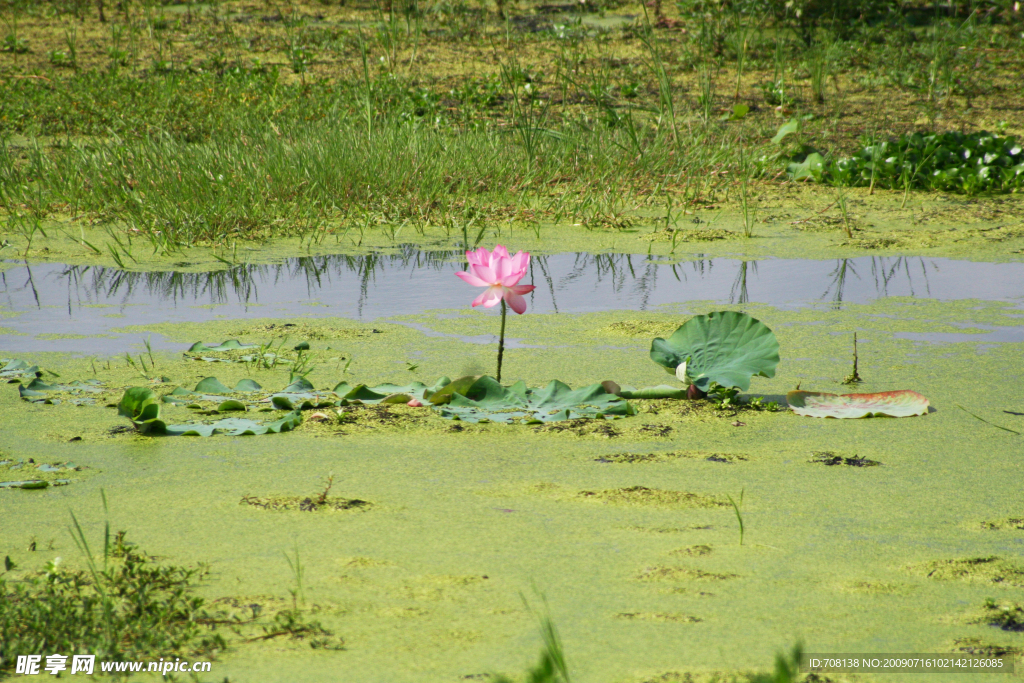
point(256, 178)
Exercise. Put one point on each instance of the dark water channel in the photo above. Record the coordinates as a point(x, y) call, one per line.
point(57, 299)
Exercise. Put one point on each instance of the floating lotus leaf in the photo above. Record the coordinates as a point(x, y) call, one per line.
point(37, 391)
point(229, 345)
point(142, 407)
point(233, 426)
point(16, 369)
point(485, 400)
point(887, 403)
point(29, 484)
point(33, 475)
point(231, 405)
point(211, 385)
point(725, 347)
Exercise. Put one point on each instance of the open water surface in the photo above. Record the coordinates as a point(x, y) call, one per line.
point(58, 299)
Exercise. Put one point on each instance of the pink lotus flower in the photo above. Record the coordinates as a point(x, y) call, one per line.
point(499, 273)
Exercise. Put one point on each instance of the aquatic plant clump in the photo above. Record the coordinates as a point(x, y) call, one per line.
point(951, 162)
point(129, 609)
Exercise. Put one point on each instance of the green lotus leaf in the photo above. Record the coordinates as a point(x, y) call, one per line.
point(36, 391)
point(30, 484)
point(485, 400)
point(230, 405)
point(234, 426)
point(231, 426)
point(301, 346)
point(229, 345)
point(142, 407)
point(298, 384)
point(903, 403)
point(304, 401)
point(17, 368)
point(660, 391)
point(247, 385)
point(461, 385)
point(139, 403)
point(726, 347)
point(211, 385)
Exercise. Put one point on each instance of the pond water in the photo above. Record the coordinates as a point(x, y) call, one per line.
point(57, 299)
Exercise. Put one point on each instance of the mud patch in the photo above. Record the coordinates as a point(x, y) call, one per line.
point(655, 430)
point(669, 529)
point(983, 569)
point(875, 588)
point(304, 503)
point(664, 617)
point(1004, 524)
point(686, 677)
point(692, 235)
point(581, 427)
point(434, 588)
point(976, 646)
point(310, 330)
point(832, 459)
point(646, 497)
point(641, 328)
point(693, 551)
point(664, 573)
point(666, 456)
point(894, 240)
point(364, 562)
point(1008, 616)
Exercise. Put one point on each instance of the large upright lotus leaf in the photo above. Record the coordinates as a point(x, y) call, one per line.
point(445, 393)
point(903, 403)
point(142, 407)
point(726, 347)
point(136, 402)
point(487, 400)
point(229, 345)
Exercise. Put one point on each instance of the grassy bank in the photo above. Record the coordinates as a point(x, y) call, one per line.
point(205, 124)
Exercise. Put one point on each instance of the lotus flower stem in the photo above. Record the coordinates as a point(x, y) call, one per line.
point(501, 337)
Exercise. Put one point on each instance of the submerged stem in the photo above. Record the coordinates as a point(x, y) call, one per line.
point(501, 338)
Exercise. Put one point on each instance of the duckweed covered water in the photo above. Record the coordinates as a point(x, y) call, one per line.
point(624, 525)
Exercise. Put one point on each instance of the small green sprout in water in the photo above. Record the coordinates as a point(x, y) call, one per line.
point(298, 593)
point(736, 509)
point(552, 667)
point(854, 377)
point(787, 669)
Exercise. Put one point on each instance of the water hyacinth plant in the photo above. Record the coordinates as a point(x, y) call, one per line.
point(500, 274)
